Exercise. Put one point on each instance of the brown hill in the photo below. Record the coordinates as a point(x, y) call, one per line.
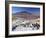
point(26, 15)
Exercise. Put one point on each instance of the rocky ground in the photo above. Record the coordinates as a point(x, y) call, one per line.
point(25, 25)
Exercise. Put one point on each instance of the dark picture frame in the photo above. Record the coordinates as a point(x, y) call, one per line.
point(7, 18)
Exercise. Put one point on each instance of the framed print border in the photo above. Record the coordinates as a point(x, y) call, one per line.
point(7, 18)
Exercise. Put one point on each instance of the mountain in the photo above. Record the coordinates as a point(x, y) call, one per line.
point(26, 15)
point(22, 12)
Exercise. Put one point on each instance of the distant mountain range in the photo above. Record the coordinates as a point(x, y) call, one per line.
point(26, 15)
point(22, 12)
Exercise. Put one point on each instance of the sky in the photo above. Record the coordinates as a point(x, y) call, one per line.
point(28, 9)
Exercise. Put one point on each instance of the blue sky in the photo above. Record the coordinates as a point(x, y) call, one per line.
point(28, 9)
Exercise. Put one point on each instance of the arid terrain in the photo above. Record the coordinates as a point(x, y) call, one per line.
point(25, 21)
